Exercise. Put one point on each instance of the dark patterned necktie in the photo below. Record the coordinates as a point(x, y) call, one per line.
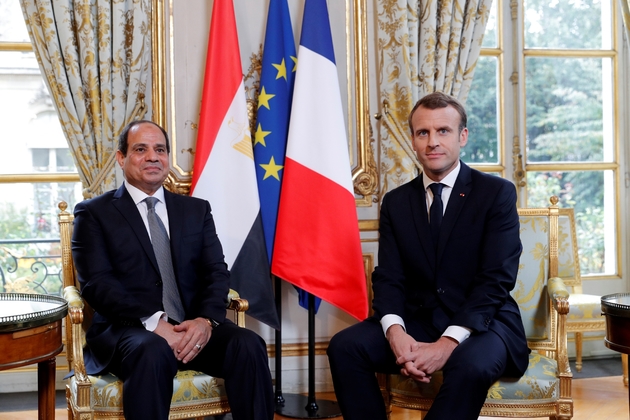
point(162, 248)
point(436, 211)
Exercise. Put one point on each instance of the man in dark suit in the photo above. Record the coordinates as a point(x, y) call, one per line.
point(135, 334)
point(441, 287)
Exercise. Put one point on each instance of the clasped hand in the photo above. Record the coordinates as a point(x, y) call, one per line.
point(416, 359)
point(186, 339)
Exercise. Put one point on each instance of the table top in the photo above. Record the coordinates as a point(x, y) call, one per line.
point(21, 310)
point(617, 304)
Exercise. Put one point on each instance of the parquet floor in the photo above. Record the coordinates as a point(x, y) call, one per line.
point(595, 399)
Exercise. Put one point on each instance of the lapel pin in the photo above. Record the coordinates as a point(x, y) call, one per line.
point(461, 194)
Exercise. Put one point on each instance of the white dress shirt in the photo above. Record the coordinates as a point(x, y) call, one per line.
point(138, 196)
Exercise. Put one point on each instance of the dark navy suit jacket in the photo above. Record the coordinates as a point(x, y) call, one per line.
point(465, 281)
point(119, 274)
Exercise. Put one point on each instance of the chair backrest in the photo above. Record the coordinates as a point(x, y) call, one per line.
point(69, 274)
point(568, 259)
point(538, 263)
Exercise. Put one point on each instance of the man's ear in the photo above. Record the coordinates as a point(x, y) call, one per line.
point(120, 158)
point(463, 137)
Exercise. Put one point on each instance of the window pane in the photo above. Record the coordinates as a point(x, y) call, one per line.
point(41, 160)
point(567, 24)
point(490, 36)
point(568, 110)
point(30, 210)
point(32, 266)
point(64, 161)
point(482, 109)
point(27, 115)
point(585, 192)
point(12, 26)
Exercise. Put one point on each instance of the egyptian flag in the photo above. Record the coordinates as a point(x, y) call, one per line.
point(224, 172)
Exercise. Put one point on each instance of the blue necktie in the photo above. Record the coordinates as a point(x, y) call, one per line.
point(162, 249)
point(436, 211)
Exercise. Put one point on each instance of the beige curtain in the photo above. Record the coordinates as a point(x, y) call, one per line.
point(95, 57)
point(625, 9)
point(424, 46)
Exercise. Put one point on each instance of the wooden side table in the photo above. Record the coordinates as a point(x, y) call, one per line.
point(616, 309)
point(30, 332)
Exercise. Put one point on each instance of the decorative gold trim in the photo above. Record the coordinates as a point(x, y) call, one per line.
point(28, 178)
point(519, 175)
point(571, 166)
point(158, 63)
point(544, 52)
point(586, 326)
point(16, 46)
point(175, 185)
point(298, 349)
point(365, 174)
point(368, 225)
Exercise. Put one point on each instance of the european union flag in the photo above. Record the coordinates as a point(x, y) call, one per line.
point(277, 75)
point(274, 107)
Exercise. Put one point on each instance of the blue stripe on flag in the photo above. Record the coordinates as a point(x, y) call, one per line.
point(316, 35)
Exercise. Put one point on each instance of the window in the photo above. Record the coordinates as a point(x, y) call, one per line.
point(544, 114)
point(36, 167)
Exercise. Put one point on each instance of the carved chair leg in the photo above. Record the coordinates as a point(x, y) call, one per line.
point(69, 407)
point(578, 351)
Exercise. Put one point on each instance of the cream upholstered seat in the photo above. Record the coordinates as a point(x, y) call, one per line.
point(545, 388)
point(195, 394)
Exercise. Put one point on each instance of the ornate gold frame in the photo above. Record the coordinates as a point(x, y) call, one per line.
point(364, 171)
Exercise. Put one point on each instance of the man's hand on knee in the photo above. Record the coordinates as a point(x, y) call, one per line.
point(197, 333)
point(167, 332)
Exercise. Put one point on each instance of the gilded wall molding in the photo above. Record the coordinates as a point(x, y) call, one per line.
point(365, 174)
point(364, 171)
point(158, 52)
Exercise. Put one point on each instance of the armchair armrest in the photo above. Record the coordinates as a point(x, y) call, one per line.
point(75, 345)
point(559, 295)
point(239, 306)
point(560, 300)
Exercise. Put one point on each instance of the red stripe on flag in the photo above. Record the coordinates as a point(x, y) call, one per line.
point(317, 246)
point(222, 78)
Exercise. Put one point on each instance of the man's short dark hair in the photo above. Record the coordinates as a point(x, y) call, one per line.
point(123, 143)
point(437, 100)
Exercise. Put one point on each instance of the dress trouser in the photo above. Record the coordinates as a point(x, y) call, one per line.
point(146, 365)
point(358, 352)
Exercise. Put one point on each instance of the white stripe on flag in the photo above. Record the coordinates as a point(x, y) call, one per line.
point(317, 120)
point(228, 179)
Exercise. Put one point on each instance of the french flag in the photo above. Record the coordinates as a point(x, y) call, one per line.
point(224, 171)
point(317, 245)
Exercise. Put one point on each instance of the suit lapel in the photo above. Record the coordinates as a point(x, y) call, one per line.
point(459, 194)
point(128, 209)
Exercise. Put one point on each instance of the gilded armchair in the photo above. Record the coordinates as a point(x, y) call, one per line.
point(545, 389)
point(195, 395)
point(585, 313)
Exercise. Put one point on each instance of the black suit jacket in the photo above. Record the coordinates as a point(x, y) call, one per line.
point(119, 274)
point(466, 281)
